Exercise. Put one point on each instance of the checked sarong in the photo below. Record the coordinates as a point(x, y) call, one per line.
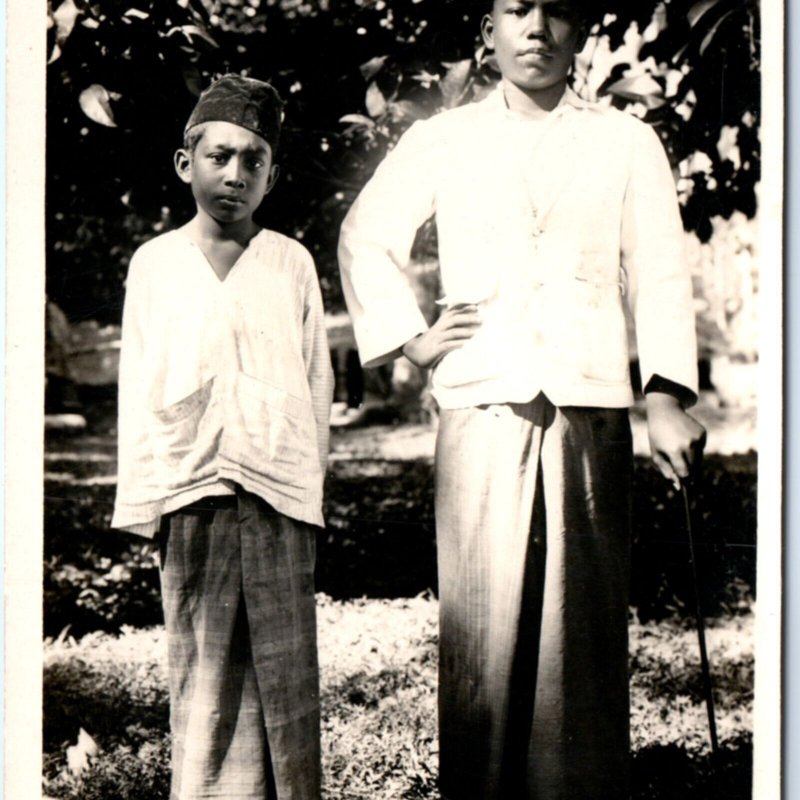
point(238, 592)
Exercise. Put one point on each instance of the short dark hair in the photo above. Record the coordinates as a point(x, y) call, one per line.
point(588, 10)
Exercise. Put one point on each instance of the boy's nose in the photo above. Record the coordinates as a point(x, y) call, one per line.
point(235, 173)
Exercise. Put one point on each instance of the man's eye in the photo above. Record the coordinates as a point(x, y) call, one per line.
point(256, 165)
point(217, 158)
point(560, 11)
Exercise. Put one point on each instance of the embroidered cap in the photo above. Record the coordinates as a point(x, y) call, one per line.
point(247, 102)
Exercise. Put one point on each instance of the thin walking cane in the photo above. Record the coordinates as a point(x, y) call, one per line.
point(701, 631)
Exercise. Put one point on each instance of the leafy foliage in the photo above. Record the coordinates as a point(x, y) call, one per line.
point(122, 81)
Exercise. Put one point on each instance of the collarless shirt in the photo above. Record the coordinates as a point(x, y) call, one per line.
point(554, 228)
point(222, 382)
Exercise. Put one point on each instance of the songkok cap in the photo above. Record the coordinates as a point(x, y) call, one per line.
point(247, 102)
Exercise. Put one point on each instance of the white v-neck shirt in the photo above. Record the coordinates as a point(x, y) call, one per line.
point(222, 382)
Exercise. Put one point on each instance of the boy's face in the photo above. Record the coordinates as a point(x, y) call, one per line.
point(534, 41)
point(230, 171)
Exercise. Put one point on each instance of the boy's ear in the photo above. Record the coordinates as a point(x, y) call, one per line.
point(183, 165)
point(273, 178)
point(487, 31)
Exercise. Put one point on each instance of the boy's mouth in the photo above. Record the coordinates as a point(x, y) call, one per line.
point(230, 199)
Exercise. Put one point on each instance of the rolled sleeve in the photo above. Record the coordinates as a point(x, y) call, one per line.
point(375, 245)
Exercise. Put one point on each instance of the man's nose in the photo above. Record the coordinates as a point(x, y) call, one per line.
point(537, 22)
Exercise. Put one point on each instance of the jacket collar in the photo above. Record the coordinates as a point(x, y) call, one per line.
point(496, 101)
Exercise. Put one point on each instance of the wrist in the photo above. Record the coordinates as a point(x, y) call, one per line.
point(411, 341)
point(662, 400)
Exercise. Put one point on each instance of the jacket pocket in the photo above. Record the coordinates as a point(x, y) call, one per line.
point(183, 438)
point(271, 432)
point(601, 328)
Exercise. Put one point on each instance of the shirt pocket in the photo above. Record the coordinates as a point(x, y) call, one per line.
point(183, 438)
point(271, 432)
point(600, 319)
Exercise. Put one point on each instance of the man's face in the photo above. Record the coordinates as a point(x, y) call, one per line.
point(230, 171)
point(534, 41)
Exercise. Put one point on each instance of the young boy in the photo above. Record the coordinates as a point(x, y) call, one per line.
point(225, 390)
point(551, 213)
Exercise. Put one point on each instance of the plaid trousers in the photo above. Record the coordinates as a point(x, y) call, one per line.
point(238, 593)
point(533, 532)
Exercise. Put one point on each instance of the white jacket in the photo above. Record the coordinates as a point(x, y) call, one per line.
point(549, 227)
point(221, 382)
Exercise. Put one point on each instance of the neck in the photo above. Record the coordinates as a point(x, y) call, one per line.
point(533, 103)
point(205, 228)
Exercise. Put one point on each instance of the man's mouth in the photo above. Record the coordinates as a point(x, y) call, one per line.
point(229, 199)
point(539, 52)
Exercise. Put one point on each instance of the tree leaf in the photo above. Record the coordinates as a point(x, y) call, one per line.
point(357, 119)
point(710, 35)
point(405, 110)
point(135, 12)
point(193, 80)
point(96, 104)
point(375, 101)
point(369, 69)
point(64, 18)
point(640, 89)
point(698, 9)
point(454, 82)
point(193, 30)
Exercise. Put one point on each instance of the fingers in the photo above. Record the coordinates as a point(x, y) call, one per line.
point(665, 468)
point(693, 453)
point(464, 317)
point(681, 465)
point(456, 325)
point(676, 442)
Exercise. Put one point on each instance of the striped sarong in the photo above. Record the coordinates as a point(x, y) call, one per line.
point(533, 532)
point(238, 592)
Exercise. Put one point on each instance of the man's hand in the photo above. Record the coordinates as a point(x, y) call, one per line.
point(676, 439)
point(455, 326)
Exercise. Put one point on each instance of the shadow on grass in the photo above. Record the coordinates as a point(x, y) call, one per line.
point(669, 772)
point(380, 542)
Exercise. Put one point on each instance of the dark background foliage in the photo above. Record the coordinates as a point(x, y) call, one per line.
point(355, 74)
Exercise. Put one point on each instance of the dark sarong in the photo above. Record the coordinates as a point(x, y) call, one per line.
point(238, 592)
point(533, 521)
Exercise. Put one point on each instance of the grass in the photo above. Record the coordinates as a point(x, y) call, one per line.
point(378, 671)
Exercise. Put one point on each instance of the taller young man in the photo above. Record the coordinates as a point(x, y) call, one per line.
point(552, 213)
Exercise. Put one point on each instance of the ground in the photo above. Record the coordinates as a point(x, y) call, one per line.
point(105, 693)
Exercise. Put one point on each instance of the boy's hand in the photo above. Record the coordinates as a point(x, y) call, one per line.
point(455, 326)
point(676, 439)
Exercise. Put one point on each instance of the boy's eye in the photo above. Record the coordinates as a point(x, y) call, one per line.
point(217, 158)
point(255, 164)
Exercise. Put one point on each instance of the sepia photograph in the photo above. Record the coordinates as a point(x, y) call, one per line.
point(394, 400)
